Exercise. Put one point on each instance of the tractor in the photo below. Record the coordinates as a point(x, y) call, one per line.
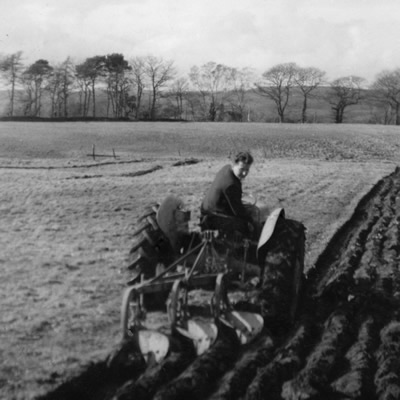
point(253, 280)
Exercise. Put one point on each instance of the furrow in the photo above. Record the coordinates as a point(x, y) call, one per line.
point(313, 380)
point(234, 383)
point(387, 376)
point(351, 235)
point(356, 382)
point(199, 379)
point(146, 385)
point(287, 360)
point(369, 223)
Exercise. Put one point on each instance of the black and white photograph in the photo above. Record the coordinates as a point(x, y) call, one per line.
point(199, 200)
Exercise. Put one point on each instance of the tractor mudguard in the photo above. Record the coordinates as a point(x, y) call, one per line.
point(173, 220)
point(269, 227)
point(135, 275)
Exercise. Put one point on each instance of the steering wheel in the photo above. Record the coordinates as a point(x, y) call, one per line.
point(249, 199)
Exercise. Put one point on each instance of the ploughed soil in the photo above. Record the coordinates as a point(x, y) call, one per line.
point(345, 343)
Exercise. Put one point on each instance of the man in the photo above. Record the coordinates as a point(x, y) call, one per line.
point(224, 197)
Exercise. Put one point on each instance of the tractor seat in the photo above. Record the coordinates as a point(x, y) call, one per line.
point(228, 226)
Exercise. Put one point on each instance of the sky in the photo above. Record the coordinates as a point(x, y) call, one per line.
point(340, 37)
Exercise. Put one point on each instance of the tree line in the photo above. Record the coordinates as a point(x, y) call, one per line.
point(150, 88)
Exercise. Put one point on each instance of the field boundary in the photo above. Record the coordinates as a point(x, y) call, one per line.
point(73, 166)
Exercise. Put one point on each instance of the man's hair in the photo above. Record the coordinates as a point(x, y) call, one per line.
point(244, 157)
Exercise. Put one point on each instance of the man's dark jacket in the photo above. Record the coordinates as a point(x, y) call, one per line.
point(225, 195)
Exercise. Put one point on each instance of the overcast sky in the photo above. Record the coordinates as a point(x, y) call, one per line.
point(341, 37)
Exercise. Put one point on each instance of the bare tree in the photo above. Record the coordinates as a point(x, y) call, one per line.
point(117, 84)
point(307, 80)
point(386, 89)
point(60, 83)
point(67, 82)
point(35, 79)
point(11, 68)
point(212, 80)
point(344, 92)
point(139, 81)
point(277, 86)
point(240, 85)
point(194, 106)
point(54, 88)
point(178, 92)
point(84, 83)
point(89, 73)
point(158, 72)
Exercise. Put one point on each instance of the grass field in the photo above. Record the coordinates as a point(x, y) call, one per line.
point(67, 219)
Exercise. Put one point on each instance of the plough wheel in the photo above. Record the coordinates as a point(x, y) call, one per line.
point(177, 304)
point(132, 312)
point(220, 301)
point(152, 345)
point(202, 332)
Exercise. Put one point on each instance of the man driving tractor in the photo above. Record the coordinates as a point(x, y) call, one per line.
point(222, 203)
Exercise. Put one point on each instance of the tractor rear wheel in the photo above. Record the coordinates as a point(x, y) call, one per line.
point(150, 253)
point(150, 246)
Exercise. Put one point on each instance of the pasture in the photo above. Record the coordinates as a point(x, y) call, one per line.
point(67, 219)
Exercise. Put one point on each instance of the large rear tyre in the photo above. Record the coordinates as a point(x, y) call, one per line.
point(150, 253)
point(150, 247)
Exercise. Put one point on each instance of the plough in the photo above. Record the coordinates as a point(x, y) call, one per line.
point(202, 331)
